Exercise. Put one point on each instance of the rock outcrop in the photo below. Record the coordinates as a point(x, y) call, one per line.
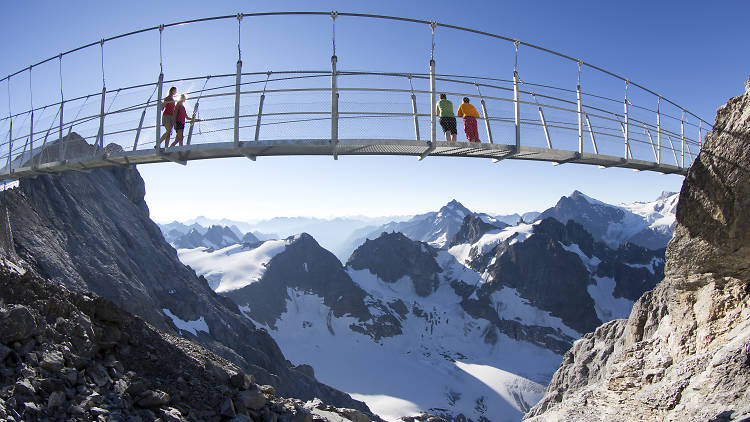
point(684, 352)
point(71, 356)
point(392, 256)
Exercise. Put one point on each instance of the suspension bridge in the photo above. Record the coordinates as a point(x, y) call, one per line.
point(338, 112)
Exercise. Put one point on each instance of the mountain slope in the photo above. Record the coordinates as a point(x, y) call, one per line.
point(409, 328)
point(645, 224)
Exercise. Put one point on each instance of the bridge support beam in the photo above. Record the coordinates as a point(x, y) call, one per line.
point(579, 105)
point(260, 113)
point(433, 101)
point(192, 122)
point(517, 111)
point(101, 120)
point(658, 130)
point(591, 132)
point(237, 104)
point(416, 116)
point(626, 127)
point(486, 122)
point(159, 87)
point(544, 125)
point(10, 146)
point(682, 138)
point(31, 135)
point(61, 147)
point(334, 108)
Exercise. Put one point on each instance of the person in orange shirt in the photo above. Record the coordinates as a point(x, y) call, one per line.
point(470, 114)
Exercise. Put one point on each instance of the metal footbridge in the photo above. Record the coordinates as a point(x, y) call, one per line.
point(338, 112)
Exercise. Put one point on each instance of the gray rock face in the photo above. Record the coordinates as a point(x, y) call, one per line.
point(597, 217)
point(393, 256)
point(472, 229)
point(91, 232)
point(142, 375)
point(306, 266)
point(683, 353)
point(531, 266)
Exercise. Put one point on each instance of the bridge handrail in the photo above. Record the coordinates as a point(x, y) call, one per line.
point(361, 15)
point(608, 115)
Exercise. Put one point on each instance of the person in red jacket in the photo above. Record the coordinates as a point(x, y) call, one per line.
point(470, 114)
point(180, 117)
point(167, 116)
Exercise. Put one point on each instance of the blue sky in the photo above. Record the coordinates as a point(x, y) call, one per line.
point(690, 52)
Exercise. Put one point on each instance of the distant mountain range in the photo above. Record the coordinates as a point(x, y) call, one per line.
point(435, 309)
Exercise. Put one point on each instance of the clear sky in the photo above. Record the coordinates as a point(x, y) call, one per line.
point(692, 52)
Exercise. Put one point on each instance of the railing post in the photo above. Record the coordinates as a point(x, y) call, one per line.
point(138, 132)
point(10, 145)
point(591, 132)
point(159, 86)
point(544, 125)
point(334, 104)
point(61, 147)
point(260, 113)
point(682, 137)
point(192, 122)
point(517, 111)
point(626, 130)
point(484, 114)
point(579, 108)
point(31, 135)
point(658, 130)
point(237, 104)
point(416, 117)
point(433, 117)
point(101, 119)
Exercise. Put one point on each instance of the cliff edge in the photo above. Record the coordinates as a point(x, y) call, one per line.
point(684, 352)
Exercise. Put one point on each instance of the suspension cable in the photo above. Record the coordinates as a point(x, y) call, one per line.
point(268, 75)
point(101, 44)
point(334, 15)
point(580, 65)
point(198, 114)
point(61, 78)
point(31, 92)
point(433, 25)
point(627, 85)
point(411, 85)
point(161, 56)
point(239, 36)
point(516, 43)
point(9, 113)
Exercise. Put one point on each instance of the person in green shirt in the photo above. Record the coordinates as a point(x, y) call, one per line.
point(444, 109)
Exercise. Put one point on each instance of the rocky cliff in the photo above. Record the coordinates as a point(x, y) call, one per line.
point(71, 356)
point(684, 352)
point(91, 232)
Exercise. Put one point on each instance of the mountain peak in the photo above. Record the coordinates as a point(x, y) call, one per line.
point(455, 206)
point(393, 256)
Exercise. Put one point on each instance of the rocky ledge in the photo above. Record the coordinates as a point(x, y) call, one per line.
point(684, 352)
point(71, 356)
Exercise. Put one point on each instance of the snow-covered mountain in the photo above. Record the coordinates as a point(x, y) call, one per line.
point(475, 329)
point(648, 224)
point(435, 228)
point(215, 237)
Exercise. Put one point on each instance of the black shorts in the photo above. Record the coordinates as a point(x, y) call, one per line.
point(447, 123)
point(180, 126)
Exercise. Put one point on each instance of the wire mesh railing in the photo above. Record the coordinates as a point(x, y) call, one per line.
point(340, 105)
